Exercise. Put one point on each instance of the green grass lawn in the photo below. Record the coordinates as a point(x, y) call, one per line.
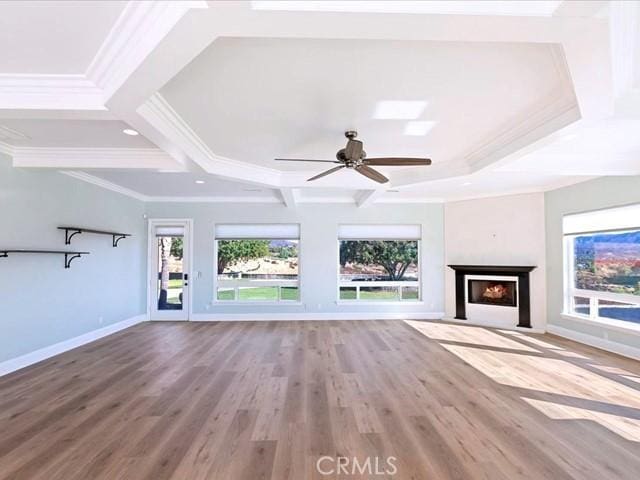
point(267, 294)
point(349, 293)
point(270, 294)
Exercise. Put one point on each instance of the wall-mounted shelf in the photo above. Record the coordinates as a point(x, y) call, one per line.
point(68, 256)
point(70, 232)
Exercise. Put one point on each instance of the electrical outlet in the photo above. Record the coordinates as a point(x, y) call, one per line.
point(100, 320)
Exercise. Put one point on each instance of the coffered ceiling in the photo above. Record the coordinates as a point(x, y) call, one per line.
point(504, 97)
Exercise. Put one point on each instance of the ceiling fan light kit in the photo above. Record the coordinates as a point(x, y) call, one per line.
point(354, 157)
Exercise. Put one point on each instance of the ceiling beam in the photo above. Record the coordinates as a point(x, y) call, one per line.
point(624, 28)
point(49, 92)
point(368, 197)
point(289, 197)
point(78, 158)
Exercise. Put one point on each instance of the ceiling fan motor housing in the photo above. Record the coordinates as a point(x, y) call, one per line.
point(349, 162)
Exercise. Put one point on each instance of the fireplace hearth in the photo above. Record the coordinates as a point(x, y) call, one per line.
point(497, 292)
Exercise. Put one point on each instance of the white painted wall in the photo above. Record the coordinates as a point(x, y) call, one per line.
point(506, 230)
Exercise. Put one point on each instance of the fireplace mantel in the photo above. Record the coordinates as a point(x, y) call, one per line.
point(522, 272)
point(493, 269)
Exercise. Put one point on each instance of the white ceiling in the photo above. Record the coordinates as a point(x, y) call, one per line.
point(53, 37)
point(255, 99)
point(534, 8)
point(607, 147)
point(181, 184)
point(70, 133)
point(519, 96)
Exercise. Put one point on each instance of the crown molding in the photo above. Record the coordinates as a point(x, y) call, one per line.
point(49, 92)
point(99, 182)
point(411, 200)
point(6, 149)
point(159, 113)
point(214, 199)
point(624, 33)
point(139, 29)
point(558, 110)
point(139, 158)
point(7, 133)
point(334, 199)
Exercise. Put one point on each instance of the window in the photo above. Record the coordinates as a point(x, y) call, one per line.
point(602, 261)
point(257, 263)
point(379, 263)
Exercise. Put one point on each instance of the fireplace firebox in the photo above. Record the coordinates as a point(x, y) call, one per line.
point(493, 292)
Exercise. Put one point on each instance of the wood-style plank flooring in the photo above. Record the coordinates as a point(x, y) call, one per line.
point(267, 400)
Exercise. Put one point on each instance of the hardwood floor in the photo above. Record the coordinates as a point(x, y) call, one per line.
point(267, 400)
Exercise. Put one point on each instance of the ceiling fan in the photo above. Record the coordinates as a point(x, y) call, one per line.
point(354, 157)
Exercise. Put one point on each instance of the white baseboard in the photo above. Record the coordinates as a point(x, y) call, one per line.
point(267, 317)
point(494, 325)
point(17, 363)
point(601, 343)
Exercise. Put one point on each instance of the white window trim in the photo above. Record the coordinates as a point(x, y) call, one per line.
point(236, 284)
point(593, 295)
point(398, 284)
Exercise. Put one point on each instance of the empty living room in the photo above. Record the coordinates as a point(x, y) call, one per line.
point(319, 240)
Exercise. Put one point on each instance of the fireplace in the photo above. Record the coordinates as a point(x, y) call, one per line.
point(482, 290)
point(493, 292)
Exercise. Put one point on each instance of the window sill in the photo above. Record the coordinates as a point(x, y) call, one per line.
point(619, 325)
point(257, 303)
point(379, 302)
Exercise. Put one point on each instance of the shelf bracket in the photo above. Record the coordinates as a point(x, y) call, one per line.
point(4, 255)
point(67, 237)
point(117, 238)
point(68, 259)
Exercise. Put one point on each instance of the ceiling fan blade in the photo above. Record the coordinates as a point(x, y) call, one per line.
point(303, 160)
point(397, 161)
point(328, 172)
point(353, 150)
point(372, 174)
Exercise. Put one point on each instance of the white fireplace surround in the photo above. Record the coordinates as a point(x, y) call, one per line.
point(491, 315)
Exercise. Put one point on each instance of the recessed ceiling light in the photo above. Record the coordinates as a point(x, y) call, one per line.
point(199, 182)
point(399, 109)
point(466, 184)
point(252, 189)
point(393, 191)
point(418, 128)
point(130, 131)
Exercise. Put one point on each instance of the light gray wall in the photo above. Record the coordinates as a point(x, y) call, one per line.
point(592, 195)
point(318, 250)
point(41, 303)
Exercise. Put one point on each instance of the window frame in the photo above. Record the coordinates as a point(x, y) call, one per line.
point(237, 284)
point(594, 296)
point(385, 283)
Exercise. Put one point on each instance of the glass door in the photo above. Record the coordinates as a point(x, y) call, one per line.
point(169, 270)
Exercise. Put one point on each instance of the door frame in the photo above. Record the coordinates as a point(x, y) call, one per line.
point(151, 268)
